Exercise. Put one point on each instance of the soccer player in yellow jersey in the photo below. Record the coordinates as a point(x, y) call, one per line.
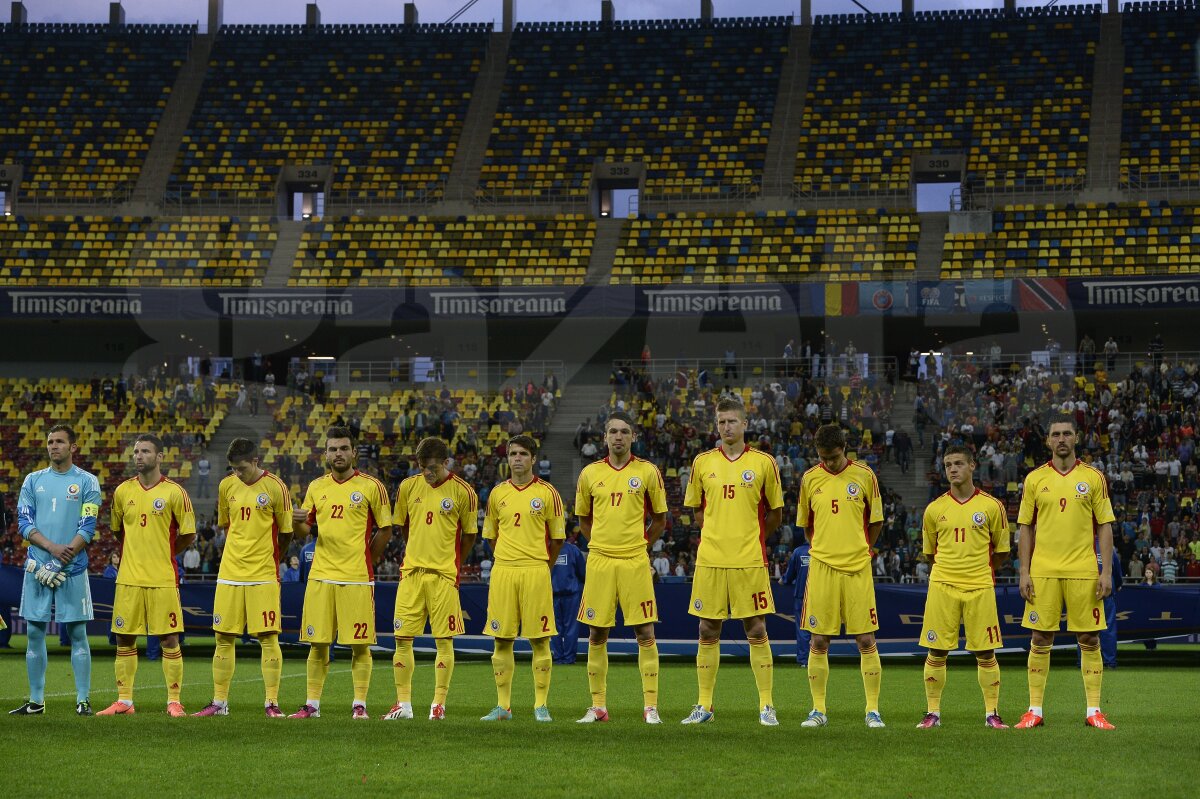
point(255, 508)
point(612, 500)
point(525, 524)
point(1065, 513)
point(965, 534)
point(152, 517)
point(437, 513)
point(842, 515)
point(738, 501)
point(354, 522)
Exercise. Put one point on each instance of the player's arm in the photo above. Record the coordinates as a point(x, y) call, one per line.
point(381, 509)
point(694, 498)
point(283, 516)
point(875, 508)
point(771, 520)
point(27, 523)
point(773, 494)
point(185, 516)
point(400, 514)
point(804, 512)
point(468, 523)
point(85, 529)
point(1025, 540)
point(583, 505)
point(929, 536)
point(304, 516)
point(1104, 536)
point(116, 514)
point(657, 492)
point(555, 527)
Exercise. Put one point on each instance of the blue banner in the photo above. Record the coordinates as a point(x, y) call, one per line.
point(1141, 613)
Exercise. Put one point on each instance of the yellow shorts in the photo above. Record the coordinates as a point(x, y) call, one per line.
point(253, 608)
point(627, 582)
point(520, 601)
point(345, 610)
point(146, 611)
point(425, 595)
point(834, 598)
point(946, 606)
point(731, 593)
point(1085, 613)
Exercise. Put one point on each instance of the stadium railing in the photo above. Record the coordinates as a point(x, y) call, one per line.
point(837, 368)
point(1071, 363)
point(490, 375)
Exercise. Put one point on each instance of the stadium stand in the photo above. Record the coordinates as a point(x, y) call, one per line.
point(429, 251)
point(81, 103)
point(693, 102)
point(768, 246)
point(134, 251)
point(1013, 93)
point(106, 413)
point(1079, 240)
point(383, 104)
point(1160, 121)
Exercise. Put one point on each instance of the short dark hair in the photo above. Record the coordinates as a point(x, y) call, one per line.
point(525, 441)
point(432, 448)
point(1062, 418)
point(63, 428)
point(830, 436)
point(621, 416)
point(726, 404)
point(959, 449)
point(150, 438)
point(339, 431)
point(241, 449)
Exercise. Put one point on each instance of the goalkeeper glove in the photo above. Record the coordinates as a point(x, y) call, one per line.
point(51, 574)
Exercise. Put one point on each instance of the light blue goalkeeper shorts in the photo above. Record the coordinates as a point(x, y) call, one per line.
point(72, 601)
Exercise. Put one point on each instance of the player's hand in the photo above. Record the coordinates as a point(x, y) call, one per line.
point(1103, 586)
point(67, 555)
point(1026, 587)
point(50, 575)
point(57, 551)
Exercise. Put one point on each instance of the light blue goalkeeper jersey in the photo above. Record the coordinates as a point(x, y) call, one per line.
point(59, 506)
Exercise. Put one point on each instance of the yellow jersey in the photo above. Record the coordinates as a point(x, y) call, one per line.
point(253, 515)
point(436, 518)
point(522, 520)
point(346, 515)
point(617, 500)
point(836, 511)
point(1064, 510)
point(735, 495)
point(150, 519)
point(962, 537)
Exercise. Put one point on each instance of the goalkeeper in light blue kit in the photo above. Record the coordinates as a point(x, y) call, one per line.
point(56, 514)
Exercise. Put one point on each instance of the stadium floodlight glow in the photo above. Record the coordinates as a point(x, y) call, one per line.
point(321, 358)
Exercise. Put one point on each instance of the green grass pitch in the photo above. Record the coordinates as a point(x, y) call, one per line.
point(1152, 699)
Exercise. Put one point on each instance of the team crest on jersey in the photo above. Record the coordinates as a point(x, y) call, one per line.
point(119, 623)
point(1082, 489)
point(447, 505)
point(356, 497)
point(310, 630)
point(73, 491)
point(635, 483)
point(262, 500)
point(812, 621)
point(698, 605)
point(535, 504)
point(397, 624)
point(216, 618)
point(931, 636)
point(852, 490)
point(1033, 617)
point(590, 613)
point(495, 625)
point(160, 503)
point(978, 518)
point(748, 476)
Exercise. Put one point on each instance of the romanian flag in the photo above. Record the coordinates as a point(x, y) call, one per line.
point(841, 299)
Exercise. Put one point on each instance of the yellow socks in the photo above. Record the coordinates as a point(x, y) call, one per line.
point(1092, 666)
point(402, 669)
point(272, 667)
point(818, 678)
point(988, 672)
point(935, 683)
point(597, 667)
point(708, 660)
point(502, 667)
point(648, 665)
point(1039, 670)
point(224, 660)
point(318, 670)
point(542, 661)
point(361, 664)
point(172, 665)
point(872, 675)
point(443, 670)
point(126, 669)
point(763, 665)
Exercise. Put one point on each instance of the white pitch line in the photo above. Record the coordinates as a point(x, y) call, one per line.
point(164, 685)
